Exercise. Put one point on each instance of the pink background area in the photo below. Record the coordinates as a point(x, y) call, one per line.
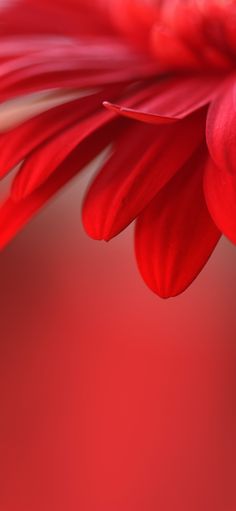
point(112, 399)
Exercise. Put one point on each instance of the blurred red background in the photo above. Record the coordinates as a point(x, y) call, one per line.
point(112, 399)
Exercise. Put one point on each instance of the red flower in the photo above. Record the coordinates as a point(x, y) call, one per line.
point(164, 70)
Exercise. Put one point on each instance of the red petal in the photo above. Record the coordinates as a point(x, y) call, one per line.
point(175, 235)
point(48, 157)
point(139, 115)
point(221, 127)
point(133, 18)
point(16, 144)
point(72, 63)
point(14, 215)
point(171, 51)
point(220, 194)
point(145, 158)
point(189, 36)
point(171, 99)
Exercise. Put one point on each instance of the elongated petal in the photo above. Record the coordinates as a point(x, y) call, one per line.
point(221, 128)
point(220, 194)
point(20, 110)
point(138, 115)
point(145, 158)
point(44, 161)
point(72, 63)
point(175, 235)
point(14, 215)
point(171, 99)
point(16, 144)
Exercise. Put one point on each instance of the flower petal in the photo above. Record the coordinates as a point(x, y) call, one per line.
point(14, 215)
point(171, 51)
point(16, 144)
point(17, 111)
point(48, 157)
point(72, 63)
point(171, 99)
point(145, 158)
point(175, 234)
point(221, 127)
point(220, 194)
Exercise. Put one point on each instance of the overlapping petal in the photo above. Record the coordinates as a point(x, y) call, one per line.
point(144, 160)
point(159, 64)
point(175, 235)
point(15, 214)
point(48, 158)
point(64, 62)
point(16, 144)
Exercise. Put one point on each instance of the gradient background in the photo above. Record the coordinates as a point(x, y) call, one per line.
point(112, 399)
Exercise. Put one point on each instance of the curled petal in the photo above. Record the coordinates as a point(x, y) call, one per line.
point(139, 115)
point(175, 234)
point(170, 99)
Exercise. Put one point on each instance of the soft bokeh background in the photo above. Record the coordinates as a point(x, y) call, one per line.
point(112, 399)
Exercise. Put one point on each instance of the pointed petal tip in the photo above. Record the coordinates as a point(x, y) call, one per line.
point(164, 293)
point(139, 115)
point(112, 106)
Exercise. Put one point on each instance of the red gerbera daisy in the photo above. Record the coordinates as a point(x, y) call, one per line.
point(165, 73)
